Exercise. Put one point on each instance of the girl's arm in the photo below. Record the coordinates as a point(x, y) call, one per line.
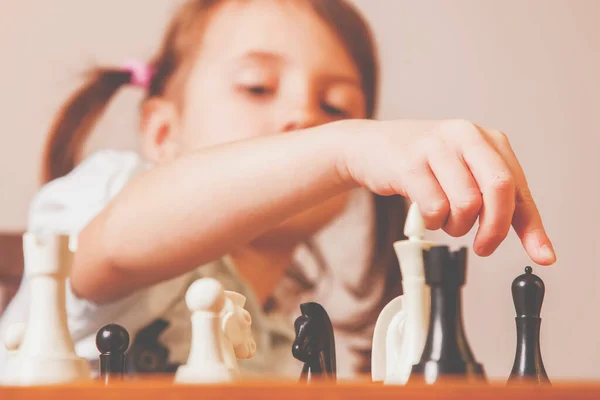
point(197, 208)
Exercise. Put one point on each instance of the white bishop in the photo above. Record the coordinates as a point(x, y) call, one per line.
point(401, 328)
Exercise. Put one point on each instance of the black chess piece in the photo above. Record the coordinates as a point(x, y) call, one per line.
point(528, 294)
point(112, 341)
point(315, 344)
point(446, 354)
point(147, 355)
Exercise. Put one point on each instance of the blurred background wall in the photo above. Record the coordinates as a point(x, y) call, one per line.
point(529, 68)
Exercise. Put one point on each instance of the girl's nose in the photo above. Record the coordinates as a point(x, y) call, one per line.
point(300, 116)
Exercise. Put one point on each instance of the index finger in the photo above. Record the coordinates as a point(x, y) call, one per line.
point(526, 220)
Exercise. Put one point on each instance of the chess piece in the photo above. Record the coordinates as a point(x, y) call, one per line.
point(236, 323)
point(146, 354)
point(112, 342)
point(388, 339)
point(314, 344)
point(205, 299)
point(528, 294)
point(46, 354)
point(13, 336)
point(446, 353)
point(401, 328)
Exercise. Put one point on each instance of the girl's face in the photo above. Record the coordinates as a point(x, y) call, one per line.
point(269, 67)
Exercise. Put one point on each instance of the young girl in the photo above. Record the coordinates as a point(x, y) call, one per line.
point(261, 166)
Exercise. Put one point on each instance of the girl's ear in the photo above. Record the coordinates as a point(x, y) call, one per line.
point(159, 125)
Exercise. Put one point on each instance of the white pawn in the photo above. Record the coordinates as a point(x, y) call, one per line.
point(401, 328)
point(42, 351)
point(205, 299)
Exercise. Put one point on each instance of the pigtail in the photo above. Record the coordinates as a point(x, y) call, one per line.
point(76, 119)
point(78, 116)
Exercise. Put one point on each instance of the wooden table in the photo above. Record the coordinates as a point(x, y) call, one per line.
point(156, 389)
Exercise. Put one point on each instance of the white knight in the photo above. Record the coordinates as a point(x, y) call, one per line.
point(236, 324)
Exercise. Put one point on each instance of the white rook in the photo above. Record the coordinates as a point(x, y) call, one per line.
point(46, 354)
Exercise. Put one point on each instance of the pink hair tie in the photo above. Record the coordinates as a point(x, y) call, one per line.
point(141, 73)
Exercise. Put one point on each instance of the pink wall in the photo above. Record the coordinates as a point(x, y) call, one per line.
point(529, 68)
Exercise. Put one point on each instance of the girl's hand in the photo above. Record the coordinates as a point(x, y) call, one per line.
point(456, 171)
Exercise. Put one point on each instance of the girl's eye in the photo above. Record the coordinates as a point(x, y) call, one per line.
point(333, 111)
point(259, 90)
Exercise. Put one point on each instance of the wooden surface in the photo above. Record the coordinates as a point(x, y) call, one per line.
point(163, 390)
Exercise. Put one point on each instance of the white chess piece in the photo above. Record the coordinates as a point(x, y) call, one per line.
point(236, 322)
point(401, 328)
point(205, 299)
point(42, 350)
point(13, 336)
point(388, 335)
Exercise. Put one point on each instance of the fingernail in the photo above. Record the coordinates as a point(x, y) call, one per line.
point(547, 253)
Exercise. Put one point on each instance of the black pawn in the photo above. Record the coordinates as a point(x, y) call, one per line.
point(446, 354)
point(528, 294)
point(112, 341)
